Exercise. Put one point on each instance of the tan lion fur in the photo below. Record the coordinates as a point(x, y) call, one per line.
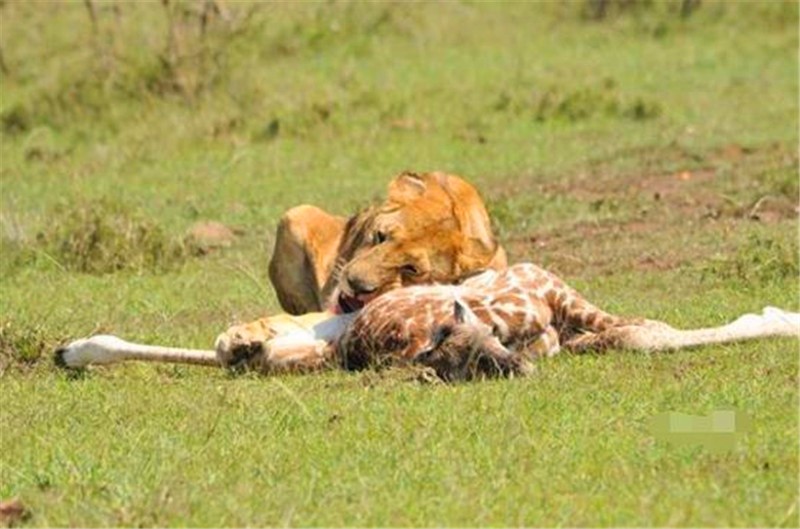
point(432, 227)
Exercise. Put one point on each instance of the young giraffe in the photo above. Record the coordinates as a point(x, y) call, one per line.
point(493, 323)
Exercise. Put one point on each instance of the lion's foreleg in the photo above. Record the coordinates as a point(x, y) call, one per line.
point(296, 354)
point(283, 343)
point(306, 245)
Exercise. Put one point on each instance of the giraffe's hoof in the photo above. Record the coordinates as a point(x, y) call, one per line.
point(98, 349)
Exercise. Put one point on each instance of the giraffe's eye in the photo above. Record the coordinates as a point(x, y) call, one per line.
point(409, 270)
point(379, 237)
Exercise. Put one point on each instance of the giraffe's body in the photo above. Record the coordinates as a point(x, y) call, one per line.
point(528, 309)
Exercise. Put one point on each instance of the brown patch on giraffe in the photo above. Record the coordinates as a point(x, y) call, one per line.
point(509, 298)
point(481, 311)
point(538, 283)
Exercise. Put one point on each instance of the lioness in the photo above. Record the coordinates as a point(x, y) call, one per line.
point(433, 227)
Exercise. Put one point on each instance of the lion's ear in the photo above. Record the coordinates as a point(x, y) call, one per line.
point(477, 227)
point(470, 213)
point(476, 255)
point(407, 186)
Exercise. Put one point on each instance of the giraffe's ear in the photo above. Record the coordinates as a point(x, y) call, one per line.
point(462, 314)
point(458, 311)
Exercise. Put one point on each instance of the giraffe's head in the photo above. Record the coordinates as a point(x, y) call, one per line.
point(433, 228)
point(467, 349)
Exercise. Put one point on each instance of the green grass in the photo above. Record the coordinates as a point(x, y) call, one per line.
point(650, 159)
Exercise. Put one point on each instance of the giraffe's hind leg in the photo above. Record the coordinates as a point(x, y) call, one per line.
point(591, 342)
point(654, 336)
point(638, 335)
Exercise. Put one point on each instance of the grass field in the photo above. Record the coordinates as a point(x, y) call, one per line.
point(650, 158)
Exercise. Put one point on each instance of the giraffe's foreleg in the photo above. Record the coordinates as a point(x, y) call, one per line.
point(572, 312)
point(580, 315)
point(107, 349)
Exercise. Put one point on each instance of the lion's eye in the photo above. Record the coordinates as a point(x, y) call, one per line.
point(409, 270)
point(378, 237)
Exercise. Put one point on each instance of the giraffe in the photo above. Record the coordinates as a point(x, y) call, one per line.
point(491, 324)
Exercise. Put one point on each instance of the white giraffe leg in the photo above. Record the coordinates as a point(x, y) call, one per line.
point(107, 349)
point(658, 336)
point(771, 322)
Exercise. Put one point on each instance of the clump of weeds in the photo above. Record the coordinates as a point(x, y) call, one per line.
point(762, 259)
point(22, 345)
point(578, 103)
point(105, 237)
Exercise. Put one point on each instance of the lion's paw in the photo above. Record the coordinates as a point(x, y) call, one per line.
point(243, 345)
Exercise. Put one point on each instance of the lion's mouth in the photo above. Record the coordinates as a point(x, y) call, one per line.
point(346, 303)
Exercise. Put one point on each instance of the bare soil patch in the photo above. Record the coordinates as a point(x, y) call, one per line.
point(658, 220)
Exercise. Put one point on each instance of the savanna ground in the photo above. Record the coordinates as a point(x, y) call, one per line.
point(647, 156)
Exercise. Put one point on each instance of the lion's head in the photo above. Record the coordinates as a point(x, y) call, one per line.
point(433, 228)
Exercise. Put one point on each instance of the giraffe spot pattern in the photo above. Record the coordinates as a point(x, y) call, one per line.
point(526, 307)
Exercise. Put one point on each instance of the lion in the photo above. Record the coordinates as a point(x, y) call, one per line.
point(432, 228)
